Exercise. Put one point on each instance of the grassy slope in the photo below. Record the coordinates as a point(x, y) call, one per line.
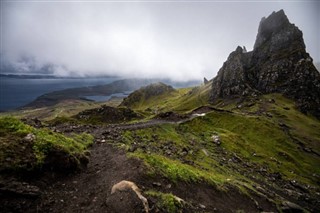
point(20, 154)
point(263, 136)
point(257, 140)
point(65, 108)
point(180, 100)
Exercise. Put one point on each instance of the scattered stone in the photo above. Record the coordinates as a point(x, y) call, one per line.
point(289, 207)
point(298, 186)
point(250, 104)
point(307, 149)
point(205, 152)
point(133, 148)
point(13, 187)
point(29, 137)
point(156, 184)
point(269, 114)
point(202, 206)
point(283, 125)
point(216, 139)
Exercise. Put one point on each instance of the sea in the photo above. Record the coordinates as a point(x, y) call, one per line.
point(17, 92)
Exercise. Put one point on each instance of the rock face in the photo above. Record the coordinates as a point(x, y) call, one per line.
point(278, 63)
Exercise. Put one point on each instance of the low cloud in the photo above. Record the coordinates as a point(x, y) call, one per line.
point(176, 40)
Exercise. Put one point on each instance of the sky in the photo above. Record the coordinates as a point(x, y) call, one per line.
point(180, 40)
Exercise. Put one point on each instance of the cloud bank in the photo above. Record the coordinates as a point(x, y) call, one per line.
point(177, 40)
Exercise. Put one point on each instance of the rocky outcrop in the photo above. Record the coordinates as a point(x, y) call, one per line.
point(146, 93)
point(278, 63)
point(205, 80)
point(107, 114)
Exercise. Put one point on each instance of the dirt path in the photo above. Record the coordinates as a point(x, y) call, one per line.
point(90, 189)
point(85, 191)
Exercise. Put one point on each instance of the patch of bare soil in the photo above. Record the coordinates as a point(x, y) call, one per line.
point(90, 190)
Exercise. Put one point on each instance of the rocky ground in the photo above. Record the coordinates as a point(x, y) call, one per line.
point(89, 190)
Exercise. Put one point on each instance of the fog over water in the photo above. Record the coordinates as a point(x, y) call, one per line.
point(181, 40)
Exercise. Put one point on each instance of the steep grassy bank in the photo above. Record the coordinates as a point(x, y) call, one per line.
point(25, 148)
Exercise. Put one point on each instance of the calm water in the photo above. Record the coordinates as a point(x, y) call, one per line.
point(15, 93)
point(102, 98)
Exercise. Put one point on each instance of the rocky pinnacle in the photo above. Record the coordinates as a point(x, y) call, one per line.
point(278, 63)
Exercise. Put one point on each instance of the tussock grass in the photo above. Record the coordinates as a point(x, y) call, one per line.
point(18, 154)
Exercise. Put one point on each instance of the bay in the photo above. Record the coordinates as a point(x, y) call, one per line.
point(17, 92)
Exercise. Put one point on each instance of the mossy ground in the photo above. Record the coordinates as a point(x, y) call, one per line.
point(264, 139)
point(167, 202)
point(20, 154)
point(253, 139)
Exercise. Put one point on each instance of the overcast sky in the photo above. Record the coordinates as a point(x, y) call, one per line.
point(181, 40)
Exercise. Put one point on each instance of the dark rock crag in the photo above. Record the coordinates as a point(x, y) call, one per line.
point(278, 63)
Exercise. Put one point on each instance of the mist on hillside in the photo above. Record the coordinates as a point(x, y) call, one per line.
point(180, 41)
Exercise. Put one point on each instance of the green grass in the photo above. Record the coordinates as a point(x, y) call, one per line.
point(16, 153)
point(181, 100)
point(257, 140)
point(177, 171)
point(66, 108)
point(166, 201)
point(250, 136)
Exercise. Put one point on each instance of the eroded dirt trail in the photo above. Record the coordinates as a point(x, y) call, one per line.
point(88, 190)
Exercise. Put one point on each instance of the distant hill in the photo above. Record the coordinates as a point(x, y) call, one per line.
point(143, 94)
point(119, 86)
point(42, 76)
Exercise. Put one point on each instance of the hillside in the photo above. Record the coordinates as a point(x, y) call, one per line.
point(265, 153)
point(237, 143)
point(53, 98)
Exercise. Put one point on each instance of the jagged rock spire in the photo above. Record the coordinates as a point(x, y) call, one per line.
point(278, 63)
